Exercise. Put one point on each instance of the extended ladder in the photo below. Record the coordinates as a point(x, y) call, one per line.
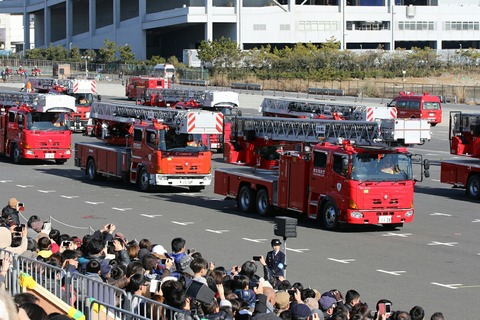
point(38, 101)
point(205, 98)
point(184, 121)
point(389, 132)
point(313, 108)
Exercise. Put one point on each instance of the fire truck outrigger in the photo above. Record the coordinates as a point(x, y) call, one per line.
point(161, 147)
point(33, 126)
point(336, 171)
point(464, 133)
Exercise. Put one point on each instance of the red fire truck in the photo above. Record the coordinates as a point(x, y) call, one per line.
point(149, 146)
point(351, 172)
point(33, 126)
point(423, 106)
point(85, 93)
point(225, 102)
point(136, 87)
point(464, 141)
point(42, 85)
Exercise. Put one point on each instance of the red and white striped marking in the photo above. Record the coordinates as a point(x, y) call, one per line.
point(370, 113)
point(393, 112)
point(94, 86)
point(191, 122)
point(219, 123)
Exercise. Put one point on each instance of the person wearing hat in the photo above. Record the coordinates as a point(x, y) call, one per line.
point(275, 259)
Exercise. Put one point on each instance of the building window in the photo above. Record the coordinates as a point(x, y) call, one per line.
point(317, 26)
point(461, 26)
point(284, 27)
point(259, 27)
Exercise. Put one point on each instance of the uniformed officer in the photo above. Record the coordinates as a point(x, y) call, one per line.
point(276, 259)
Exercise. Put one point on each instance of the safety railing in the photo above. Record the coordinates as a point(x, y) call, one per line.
point(85, 295)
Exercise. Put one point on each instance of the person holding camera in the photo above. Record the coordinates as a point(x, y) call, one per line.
point(10, 211)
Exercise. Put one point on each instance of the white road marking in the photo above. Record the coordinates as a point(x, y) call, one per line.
point(68, 197)
point(46, 191)
point(297, 250)
point(182, 223)
point(255, 240)
point(217, 231)
point(341, 260)
point(393, 273)
point(392, 234)
point(24, 186)
point(448, 244)
point(449, 286)
point(476, 220)
point(440, 214)
point(122, 209)
point(151, 215)
point(94, 203)
point(5, 181)
point(436, 180)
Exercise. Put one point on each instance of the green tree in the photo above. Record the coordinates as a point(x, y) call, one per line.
point(107, 53)
point(74, 54)
point(56, 53)
point(220, 55)
point(126, 54)
point(90, 53)
point(35, 54)
point(154, 60)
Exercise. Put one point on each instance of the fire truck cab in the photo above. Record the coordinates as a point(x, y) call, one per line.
point(136, 87)
point(423, 106)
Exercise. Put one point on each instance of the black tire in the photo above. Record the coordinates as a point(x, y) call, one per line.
point(60, 161)
point(144, 180)
point(91, 170)
point(473, 187)
point(15, 154)
point(330, 216)
point(196, 188)
point(246, 199)
point(433, 124)
point(262, 203)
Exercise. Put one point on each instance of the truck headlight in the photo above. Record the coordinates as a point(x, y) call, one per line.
point(356, 214)
point(409, 213)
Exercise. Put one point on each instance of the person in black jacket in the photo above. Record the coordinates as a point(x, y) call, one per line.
point(10, 212)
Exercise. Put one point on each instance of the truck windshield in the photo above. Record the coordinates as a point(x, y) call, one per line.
point(46, 121)
point(83, 99)
point(170, 141)
point(381, 167)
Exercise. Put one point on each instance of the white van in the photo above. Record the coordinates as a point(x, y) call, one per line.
point(164, 70)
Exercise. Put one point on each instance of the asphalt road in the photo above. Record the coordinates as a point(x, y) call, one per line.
point(430, 262)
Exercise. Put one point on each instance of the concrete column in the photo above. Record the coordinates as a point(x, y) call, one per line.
point(26, 28)
point(209, 24)
point(47, 27)
point(142, 11)
point(69, 22)
point(116, 18)
point(238, 11)
point(92, 11)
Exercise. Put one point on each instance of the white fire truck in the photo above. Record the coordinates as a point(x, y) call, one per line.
point(334, 171)
point(150, 146)
point(33, 126)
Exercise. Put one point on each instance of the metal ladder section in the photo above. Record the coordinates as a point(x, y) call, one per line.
point(205, 98)
point(128, 113)
point(304, 107)
point(386, 132)
point(32, 100)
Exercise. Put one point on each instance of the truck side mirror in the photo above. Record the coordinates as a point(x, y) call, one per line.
point(20, 121)
point(99, 97)
point(426, 164)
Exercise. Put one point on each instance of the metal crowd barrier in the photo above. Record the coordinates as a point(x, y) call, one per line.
point(85, 294)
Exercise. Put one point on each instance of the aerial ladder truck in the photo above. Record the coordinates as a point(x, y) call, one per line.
point(150, 146)
point(34, 126)
point(225, 102)
point(464, 138)
point(334, 171)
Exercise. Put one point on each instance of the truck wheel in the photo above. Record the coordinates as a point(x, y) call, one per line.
point(92, 170)
point(246, 199)
point(60, 161)
point(196, 188)
point(15, 154)
point(330, 216)
point(263, 204)
point(143, 180)
point(473, 187)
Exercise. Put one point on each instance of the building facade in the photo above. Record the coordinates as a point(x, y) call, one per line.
point(166, 27)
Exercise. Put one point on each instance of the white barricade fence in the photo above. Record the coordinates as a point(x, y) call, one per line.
point(101, 311)
point(156, 310)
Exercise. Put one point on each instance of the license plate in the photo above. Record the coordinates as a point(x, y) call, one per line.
point(385, 219)
point(49, 155)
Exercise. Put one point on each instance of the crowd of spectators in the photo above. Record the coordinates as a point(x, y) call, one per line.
point(243, 291)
